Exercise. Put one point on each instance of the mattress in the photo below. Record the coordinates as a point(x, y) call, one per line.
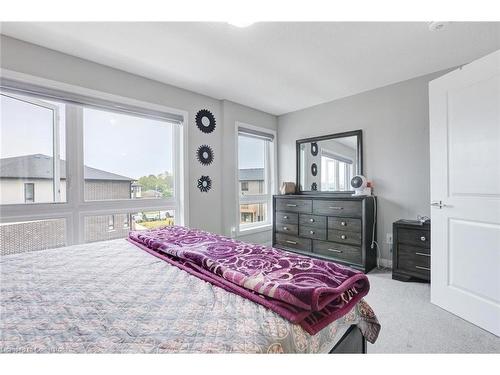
point(111, 297)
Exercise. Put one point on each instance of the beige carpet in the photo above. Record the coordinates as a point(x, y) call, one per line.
point(411, 324)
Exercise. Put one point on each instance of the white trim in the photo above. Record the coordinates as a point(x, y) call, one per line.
point(255, 229)
point(56, 180)
point(271, 177)
point(80, 90)
point(76, 208)
point(385, 263)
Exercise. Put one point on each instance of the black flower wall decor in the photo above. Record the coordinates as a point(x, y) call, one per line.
point(205, 155)
point(205, 121)
point(204, 184)
point(314, 148)
point(314, 169)
point(314, 186)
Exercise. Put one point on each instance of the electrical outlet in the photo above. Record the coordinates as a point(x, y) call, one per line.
point(388, 238)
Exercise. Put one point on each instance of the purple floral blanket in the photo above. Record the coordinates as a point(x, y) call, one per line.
point(306, 291)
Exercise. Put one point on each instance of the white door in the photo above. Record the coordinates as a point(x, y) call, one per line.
point(465, 192)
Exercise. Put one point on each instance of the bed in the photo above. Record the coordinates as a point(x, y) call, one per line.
point(112, 297)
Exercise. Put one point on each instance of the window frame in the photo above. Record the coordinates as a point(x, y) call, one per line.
point(271, 182)
point(75, 208)
point(32, 185)
point(336, 160)
point(56, 178)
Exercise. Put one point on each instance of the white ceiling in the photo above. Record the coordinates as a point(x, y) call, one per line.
point(274, 67)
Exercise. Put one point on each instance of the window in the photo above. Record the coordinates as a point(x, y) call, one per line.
point(255, 176)
point(127, 157)
point(32, 148)
point(126, 222)
point(97, 227)
point(111, 222)
point(29, 192)
point(337, 172)
point(106, 167)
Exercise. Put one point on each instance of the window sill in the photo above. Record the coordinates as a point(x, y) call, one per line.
point(253, 230)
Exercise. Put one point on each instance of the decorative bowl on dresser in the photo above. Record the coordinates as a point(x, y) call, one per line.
point(332, 227)
point(411, 255)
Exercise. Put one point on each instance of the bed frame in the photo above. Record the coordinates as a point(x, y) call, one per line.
point(352, 342)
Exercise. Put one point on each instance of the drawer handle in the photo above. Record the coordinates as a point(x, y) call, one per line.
point(291, 242)
point(423, 268)
point(422, 254)
point(343, 236)
point(285, 228)
point(335, 250)
point(423, 239)
point(343, 223)
point(311, 220)
point(285, 217)
point(291, 205)
point(311, 232)
point(336, 208)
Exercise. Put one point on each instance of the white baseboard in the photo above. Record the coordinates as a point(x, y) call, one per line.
point(387, 263)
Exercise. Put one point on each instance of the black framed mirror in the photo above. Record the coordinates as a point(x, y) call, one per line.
point(326, 164)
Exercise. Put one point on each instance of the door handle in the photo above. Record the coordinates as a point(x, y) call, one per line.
point(439, 204)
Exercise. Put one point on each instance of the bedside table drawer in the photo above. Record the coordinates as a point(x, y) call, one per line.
point(416, 237)
point(414, 260)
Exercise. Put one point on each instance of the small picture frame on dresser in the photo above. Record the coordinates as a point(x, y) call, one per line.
point(411, 253)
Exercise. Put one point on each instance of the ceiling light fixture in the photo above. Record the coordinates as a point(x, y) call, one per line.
point(437, 25)
point(241, 23)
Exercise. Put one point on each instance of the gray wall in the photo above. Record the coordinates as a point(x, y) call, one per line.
point(395, 124)
point(206, 210)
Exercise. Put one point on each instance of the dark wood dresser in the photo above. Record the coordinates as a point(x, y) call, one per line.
point(411, 254)
point(336, 228)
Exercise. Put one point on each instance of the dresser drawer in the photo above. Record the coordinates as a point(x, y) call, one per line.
point(293, 242)
point(294, 205)
point(312, 232)
point(414, 260)
point(337, 208)
point(313, 221)
point(352, 238)
point(287, 228)
point(287, 218)
point(345, 253)
point(416, 237)
point(344, 224)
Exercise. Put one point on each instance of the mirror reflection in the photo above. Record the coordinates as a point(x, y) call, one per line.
point(328, 165)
